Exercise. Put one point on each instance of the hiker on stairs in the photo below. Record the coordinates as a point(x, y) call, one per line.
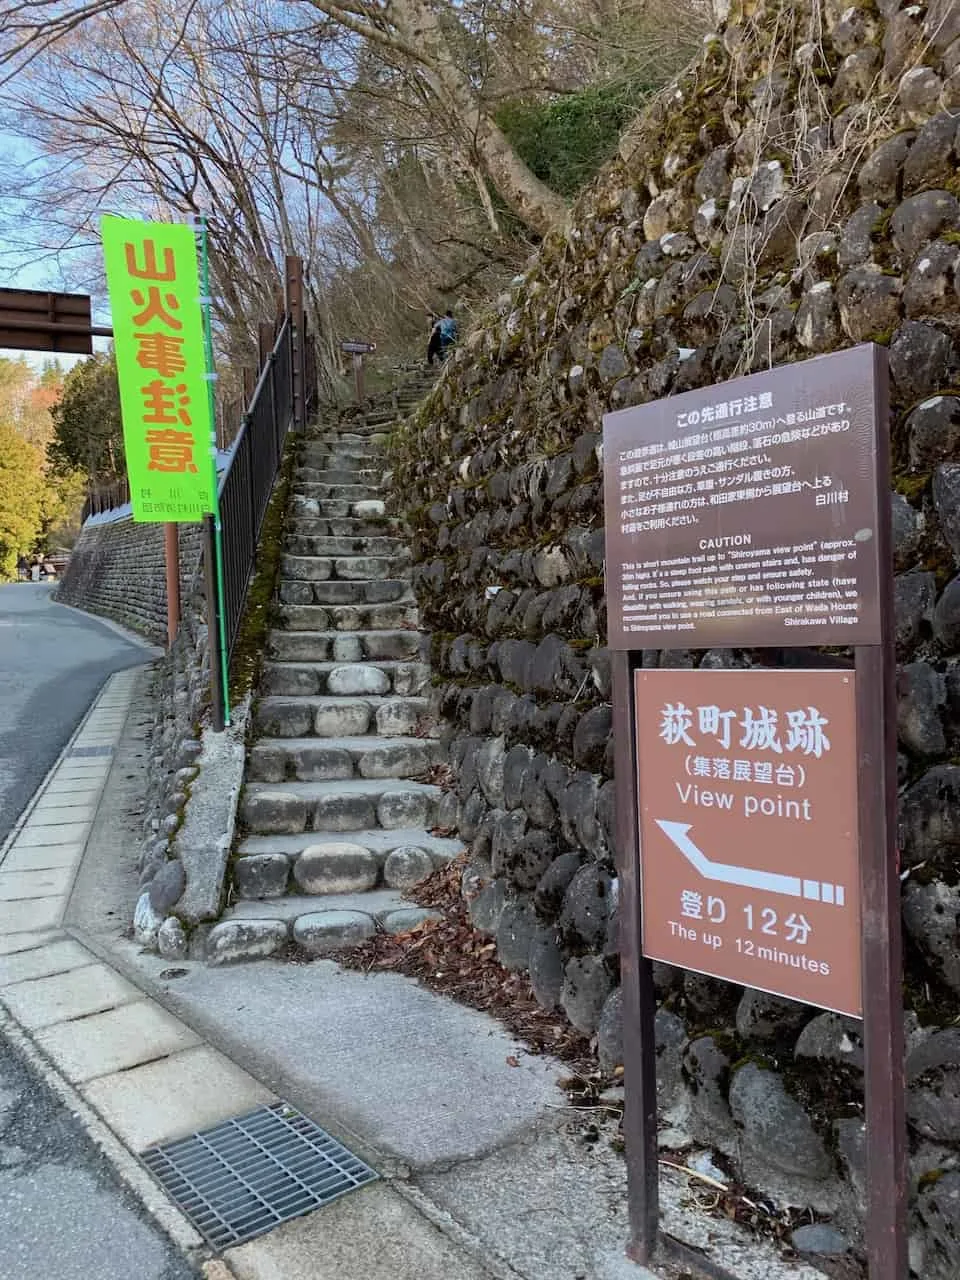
point(448, 333)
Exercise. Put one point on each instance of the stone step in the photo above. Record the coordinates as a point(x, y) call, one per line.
point(350, 804)
point(323, 645)
point(349, 617)
point(339, 716)
point(349, 568)
point(327, 759)
point(304, 679)
point(380, 841)
point(315, 926)
point(341, 526)
point(378, 544)
point(333, 592)
point(374, 902)
point(354, 455)
point(303, 507)
point(306, 476)
point(356, 431)
point(352, 449)
point(347, 491)
point(364, 467)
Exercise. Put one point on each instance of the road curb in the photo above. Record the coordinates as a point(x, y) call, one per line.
point(170, 1220)
point(37, 796)
point(133, 637)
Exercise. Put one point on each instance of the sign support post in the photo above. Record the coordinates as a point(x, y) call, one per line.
point(639, 997)
point(756, 807)
point(358, 350)
point(882, 951)
point(171, 555)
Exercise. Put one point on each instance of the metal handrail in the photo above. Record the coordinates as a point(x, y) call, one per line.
point(247, 483)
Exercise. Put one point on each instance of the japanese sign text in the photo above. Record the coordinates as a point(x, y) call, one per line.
point(161, 364)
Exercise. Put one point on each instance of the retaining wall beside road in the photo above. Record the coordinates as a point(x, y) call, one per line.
point(117, 572)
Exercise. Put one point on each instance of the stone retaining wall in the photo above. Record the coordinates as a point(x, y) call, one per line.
point(117, 571)
point(795, 192)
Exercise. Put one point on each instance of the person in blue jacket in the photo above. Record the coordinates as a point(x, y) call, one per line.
point(448, 333)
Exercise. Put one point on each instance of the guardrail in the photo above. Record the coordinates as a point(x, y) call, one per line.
point(105, 497)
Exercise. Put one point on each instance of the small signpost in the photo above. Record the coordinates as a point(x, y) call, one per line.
point(756, 807)
point(358, 350)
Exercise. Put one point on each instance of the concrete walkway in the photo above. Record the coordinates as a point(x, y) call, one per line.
point(484, 1172)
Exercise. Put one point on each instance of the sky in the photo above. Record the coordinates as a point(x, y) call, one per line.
point(20, 269)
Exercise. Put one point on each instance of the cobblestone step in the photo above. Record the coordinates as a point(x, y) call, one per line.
point(335, 818)
point(342, 526)
point(354, 450)
point(323, 645)
point(305, 476)
point(349, 568)
point(327, 759)
point(376, 591)
point(338, 507)
point(381, 841)
point(355, 458)
point(336, 716)
point(377, 433)
point(349, 491)
point(375, 544)
point(351, 804)
point(303, 679)
point(253, 929)
point(349, 617)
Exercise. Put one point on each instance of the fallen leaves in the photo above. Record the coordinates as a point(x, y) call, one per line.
point(449, 956)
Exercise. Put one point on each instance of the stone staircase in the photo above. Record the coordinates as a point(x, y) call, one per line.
point(336, 812)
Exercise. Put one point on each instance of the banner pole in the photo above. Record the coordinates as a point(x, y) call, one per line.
point(171, 556)
point(217, 527)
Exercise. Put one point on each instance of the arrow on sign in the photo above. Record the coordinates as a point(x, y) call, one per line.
point(767, 881)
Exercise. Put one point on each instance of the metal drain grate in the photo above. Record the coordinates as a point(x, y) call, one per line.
point(91, 751)
point(245, 1176)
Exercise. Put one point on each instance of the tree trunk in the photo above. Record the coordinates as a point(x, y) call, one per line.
point(420, 38)
point(532, 200)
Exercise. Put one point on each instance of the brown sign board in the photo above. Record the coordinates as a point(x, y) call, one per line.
point(745, 514)
point(34, 320)
point(749, 830)
point(358, 348)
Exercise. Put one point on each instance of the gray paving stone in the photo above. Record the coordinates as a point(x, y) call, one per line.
point(262, 875)
point(323, 932)
point(406, 867)
point(337, 867)
point(40, 1002)
point(115, 1040)
point(233, 941)
point(358, 678)
point(405, 809)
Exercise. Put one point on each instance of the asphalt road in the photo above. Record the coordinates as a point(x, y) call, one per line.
point(64, 1214)
point(53, 663)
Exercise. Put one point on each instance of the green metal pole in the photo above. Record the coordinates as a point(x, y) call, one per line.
point(217, 527)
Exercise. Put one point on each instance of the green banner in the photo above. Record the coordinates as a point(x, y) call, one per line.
point(154, 292)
